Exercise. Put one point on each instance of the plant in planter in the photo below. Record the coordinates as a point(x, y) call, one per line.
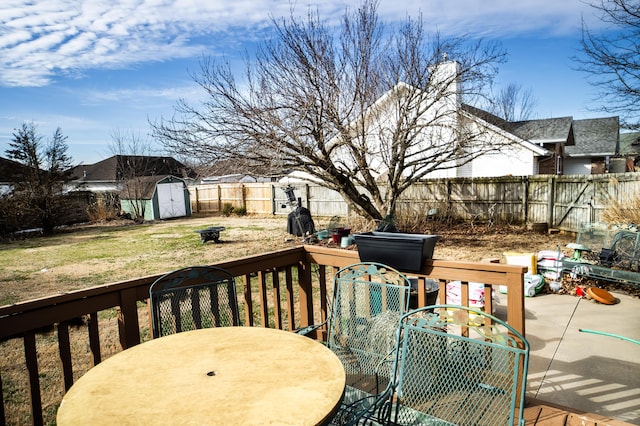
point(405, 252)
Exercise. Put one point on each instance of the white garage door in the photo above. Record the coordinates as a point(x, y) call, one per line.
point(171, 200)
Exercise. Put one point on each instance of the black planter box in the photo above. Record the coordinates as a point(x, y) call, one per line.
point(404, 252)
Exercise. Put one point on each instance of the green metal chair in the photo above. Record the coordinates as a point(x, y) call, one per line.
point(192, 298)
point(368, 302)
point(458, 366)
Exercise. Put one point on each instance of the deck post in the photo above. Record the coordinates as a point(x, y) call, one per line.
point(306, 293)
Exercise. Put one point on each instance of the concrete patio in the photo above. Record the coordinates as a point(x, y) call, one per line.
point(594, 373)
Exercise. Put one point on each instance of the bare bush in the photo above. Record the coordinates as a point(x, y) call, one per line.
point(619, 212)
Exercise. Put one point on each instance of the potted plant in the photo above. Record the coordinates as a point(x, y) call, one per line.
point(338, 233)
point(405, 252)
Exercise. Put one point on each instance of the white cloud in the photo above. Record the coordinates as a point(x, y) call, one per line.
point(143, 97)
point(42, 38)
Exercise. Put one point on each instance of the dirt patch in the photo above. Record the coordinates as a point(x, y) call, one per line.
point(475, 243)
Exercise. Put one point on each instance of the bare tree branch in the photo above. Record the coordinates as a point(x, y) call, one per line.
point(513, 103)
point(612, 60)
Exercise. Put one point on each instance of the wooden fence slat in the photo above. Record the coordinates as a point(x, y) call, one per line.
point(3, 418)
point(305, 298)
point(322, 279)
point(248, 301)
point(31, 360)
point(94, 338)
point(64, 347)
point(264, 305)
point(128, 319)
point(277, 311)
point(290, 298)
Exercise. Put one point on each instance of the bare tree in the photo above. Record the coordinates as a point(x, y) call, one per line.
point(133, 169)
point(368, 110)
point(513, 103)
point(612, 60)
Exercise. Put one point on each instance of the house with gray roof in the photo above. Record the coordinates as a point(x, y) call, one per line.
point(583, 147)
point(552, 134)
point(540, 144)
point(597, 143)
point(109, 174)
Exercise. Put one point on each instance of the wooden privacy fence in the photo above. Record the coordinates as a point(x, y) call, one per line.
point(563, 202)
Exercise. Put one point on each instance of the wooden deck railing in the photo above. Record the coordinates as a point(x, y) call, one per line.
point(284, 289)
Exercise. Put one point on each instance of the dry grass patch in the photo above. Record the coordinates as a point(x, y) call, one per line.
point(623, 213)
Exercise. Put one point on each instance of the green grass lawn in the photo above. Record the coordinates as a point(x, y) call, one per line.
point(98, 254)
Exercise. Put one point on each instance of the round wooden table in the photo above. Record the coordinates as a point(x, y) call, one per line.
point(225, 376)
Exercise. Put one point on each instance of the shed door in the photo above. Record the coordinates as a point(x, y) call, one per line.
point(171, 201)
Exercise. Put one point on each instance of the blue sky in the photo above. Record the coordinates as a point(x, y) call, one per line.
point(96, 68)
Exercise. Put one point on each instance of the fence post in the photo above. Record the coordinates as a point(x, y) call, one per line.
point(449, 202)
point(244, 196)
point(551, 201)
point(273, 199)
point(307, 195)
point(525, 199)
point(306, 293)
point(128, 325)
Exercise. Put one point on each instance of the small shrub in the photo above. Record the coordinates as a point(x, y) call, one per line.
point(240, 211)
point(99, 211)
point(227, 209)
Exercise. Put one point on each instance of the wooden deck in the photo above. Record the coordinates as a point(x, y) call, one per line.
point(286, 289)
point(542, 413)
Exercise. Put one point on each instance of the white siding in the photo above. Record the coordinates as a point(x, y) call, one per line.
point(517, 163)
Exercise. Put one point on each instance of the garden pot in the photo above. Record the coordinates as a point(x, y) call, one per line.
point(432, 289)
point(404, 252)
point(338, 233)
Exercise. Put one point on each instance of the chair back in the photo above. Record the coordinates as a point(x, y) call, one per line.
point(368, 301)
point(192, 298)
point(459, 365)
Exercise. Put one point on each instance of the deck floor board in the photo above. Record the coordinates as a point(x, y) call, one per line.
point(541, 413)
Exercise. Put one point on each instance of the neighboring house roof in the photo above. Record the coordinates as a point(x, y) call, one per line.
point(114, 168)
point(630, 143)
point(548, 130)
point(12, 171)
point(595, 137)
point(486, 116)
point(501, 126)
point(236, 177)
point(297, 176)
